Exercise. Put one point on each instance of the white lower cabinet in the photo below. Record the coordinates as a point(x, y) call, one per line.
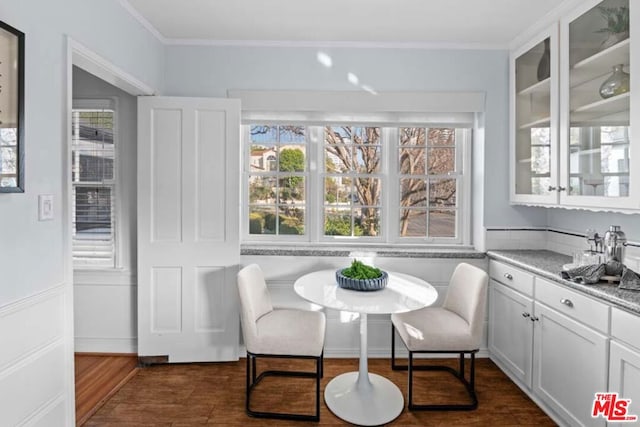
point(624, 360)
point(552, 341)
point(624, 376)
point(569, 365)
point(511, 330)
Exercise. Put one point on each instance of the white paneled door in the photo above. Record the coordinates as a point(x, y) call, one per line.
point(188, 228)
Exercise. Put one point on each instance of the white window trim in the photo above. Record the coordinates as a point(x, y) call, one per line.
point(108, 103)
point(388, 109)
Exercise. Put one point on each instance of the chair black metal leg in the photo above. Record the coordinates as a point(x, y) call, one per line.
point(472, 375)
point(251, 374)
point(459, 374)
point(253, 370)
point(410, 369)
point(394, 365)
point(393, 347)
point(319, 368)
point(248, 384)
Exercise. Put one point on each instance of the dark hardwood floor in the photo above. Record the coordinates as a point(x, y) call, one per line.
point(98, 377)
point(213, 394)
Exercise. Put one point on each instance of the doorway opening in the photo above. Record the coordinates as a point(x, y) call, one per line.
point(100, 212)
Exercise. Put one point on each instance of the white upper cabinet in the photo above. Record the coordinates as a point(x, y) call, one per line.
point(534, 119)
point(592, 167)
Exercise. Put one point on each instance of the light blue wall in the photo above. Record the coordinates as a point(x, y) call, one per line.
point(579, 221)
point(211, 71)
point(32, 251)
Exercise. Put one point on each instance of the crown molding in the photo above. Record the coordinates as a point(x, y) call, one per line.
point(337, 44)
point(551, 17)
point(307, 44)
point(143, 21)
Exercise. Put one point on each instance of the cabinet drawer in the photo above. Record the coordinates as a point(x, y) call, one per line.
point(625, 327)
point(582, 308)
point(512, 277)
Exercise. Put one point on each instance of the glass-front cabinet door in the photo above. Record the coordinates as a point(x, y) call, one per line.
point(534, 127)
point(597, 157)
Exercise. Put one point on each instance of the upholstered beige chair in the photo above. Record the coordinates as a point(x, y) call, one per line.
point(456, 327)
point(281, 333)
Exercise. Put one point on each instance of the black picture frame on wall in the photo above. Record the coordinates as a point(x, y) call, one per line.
point(11, 109)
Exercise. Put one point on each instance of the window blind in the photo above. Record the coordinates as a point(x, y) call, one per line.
point(94, 189)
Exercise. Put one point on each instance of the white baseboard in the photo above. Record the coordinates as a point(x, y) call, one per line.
point(106, 345)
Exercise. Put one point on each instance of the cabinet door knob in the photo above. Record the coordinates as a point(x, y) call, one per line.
point(551, 188)
point(534, 319)
point(566, 302)
point(561, 189)
point(508, 276)
point(525, 314)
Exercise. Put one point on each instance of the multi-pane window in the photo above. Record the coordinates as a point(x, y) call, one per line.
point(93, 172)
point(360, 182)
point(352, 184)
point(429, 179)
point(277, 179)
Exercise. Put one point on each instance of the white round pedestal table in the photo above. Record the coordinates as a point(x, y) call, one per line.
point(361, 397)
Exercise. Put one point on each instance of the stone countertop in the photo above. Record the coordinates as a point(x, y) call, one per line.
point(316, 251)
point(549, 264)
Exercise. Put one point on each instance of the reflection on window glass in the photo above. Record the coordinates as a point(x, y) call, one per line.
point(599, 161)
point(277, 179)
point(428, 182)
point(340, 175)
point(352, 201)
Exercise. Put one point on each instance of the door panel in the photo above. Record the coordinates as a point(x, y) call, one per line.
point(624, 377)
point(188, 228)
point(570, 365)
point(511, 330)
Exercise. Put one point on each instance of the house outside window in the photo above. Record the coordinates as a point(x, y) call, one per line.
point(94, 153)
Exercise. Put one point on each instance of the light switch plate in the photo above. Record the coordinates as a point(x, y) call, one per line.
point(45, 207)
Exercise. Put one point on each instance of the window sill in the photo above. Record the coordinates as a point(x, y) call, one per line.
point(389, 251)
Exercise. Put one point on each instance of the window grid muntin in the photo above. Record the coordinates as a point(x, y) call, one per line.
point(390, 199)
point(351, 170)
point(278, 175)
point(457, 174)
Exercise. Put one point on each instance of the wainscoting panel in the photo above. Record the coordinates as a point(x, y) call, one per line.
point(105, 315)
point(33, 361)
point(23, 335)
